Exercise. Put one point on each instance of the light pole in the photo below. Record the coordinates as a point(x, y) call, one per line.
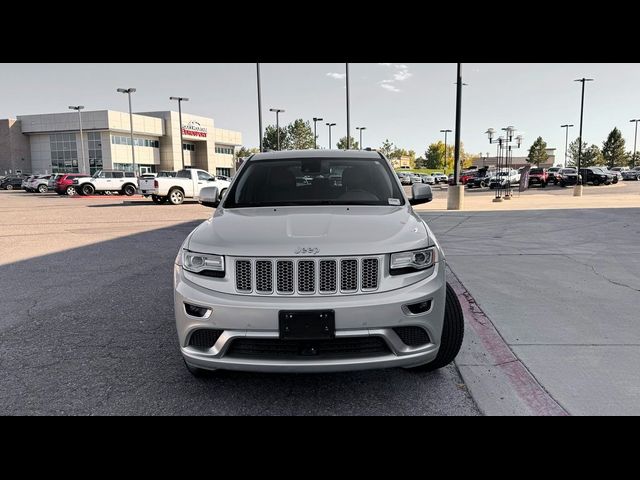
point(180, 100)
point(635, 139)
point(259, 105)
point(566, 142)
point(577, 192)
point(445, 145)
point(129, 91)
point(503, 157)
point(277, 111)
point(330, 125)
point(78, 108)
point(315, 135)
point(348, 109)
point(361, 129)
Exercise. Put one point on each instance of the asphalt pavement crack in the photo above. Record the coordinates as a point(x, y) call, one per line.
point(602, 275)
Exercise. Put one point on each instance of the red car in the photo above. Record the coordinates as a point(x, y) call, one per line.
point(465, 177)
point(538, 176)
point(64, 183)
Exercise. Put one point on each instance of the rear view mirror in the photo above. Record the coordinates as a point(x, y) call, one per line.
point(209, 197)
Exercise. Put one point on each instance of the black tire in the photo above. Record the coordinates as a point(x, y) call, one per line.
point(158, 199)
point(543, 185)
point(42, 188)
point(562, 184)
point(555, 182)
point(197, 371)
point(452, 334)
point(87, 189)
point(176, 196)
point(129, 190)
point(9, 187)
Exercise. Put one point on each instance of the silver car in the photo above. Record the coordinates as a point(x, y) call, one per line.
point(325, 276)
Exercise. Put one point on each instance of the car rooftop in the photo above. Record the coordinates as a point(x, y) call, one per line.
point(291, 154)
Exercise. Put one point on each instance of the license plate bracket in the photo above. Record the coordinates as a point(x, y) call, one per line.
point(307, 324)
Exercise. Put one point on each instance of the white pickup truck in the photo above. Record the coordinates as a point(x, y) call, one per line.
point(186, 184)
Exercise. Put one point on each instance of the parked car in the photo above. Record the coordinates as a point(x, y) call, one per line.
point(482, 178)
point(566, 177)
point(282, 277)
point(64, 183)
point(551, 174)
point(538, 176)
point(428, 179)
point(415, 178)
point(186, 184)
point(617, 176)
point(224, 178)
point(631, 174)
point(104, 181)
point(595, 176)
point(504, 178)
point(12, 182)
point(26, 180)
point(465, 177)
point(440, 177)
point(52, 181)
point(405, 178)
point(40, 184)
point(167, 173)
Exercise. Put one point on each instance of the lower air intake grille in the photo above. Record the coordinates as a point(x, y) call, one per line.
point(412, 336)
point(330, 348)
point(204, 338)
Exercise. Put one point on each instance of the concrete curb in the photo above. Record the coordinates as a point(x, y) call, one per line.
point(498, 381)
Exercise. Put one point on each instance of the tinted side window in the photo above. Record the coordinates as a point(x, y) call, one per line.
point(204, 176)
point(129, 174)
point(106, 175)
point(118, 174)
point(184, 174)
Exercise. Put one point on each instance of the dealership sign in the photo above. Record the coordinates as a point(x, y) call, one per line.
point(193, 129)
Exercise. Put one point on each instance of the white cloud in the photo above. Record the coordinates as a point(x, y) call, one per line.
point(337, 76)
point(401, 66)
point(390, 87)
point(402, 75)
point(384, 64)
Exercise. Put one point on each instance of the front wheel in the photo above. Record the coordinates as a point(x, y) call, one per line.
point(452, 334)
point(596, 182)
point(87, 189)
point(9, 187)
point(42, 189)
point(129, 190)
point(176, 197)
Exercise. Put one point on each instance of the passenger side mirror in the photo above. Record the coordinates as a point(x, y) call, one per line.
point(421, 193)
point(209, 197)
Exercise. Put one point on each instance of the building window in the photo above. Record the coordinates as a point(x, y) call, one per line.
point(223, 171)
point(95, 151)
point(191, 147)
point(64, 153)
point(224, 149)
point(138, 142)
point(128, 167)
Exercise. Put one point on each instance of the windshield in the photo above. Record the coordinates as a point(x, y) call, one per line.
point(97, 174)
point(536, 171)
point(568, 171)
point(314, 181)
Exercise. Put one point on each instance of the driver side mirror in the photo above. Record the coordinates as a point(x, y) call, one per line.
point(421, 193)
point(209, 197)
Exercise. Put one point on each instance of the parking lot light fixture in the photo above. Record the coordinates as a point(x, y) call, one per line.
point(504, 158)
point(578, 189)
point(635, 140)
point(566, 141)
point(180, 100)
point(315, 135)
point(445, 145)
point(129, 91)
point(277, 111)
point(330, 125)
point(361, 129)
point(79, 108)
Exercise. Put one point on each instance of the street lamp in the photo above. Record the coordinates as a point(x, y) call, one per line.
point(315, 135)
point(259, 105)
point(445, 145)
point(330, 125)
point(129, 91)
point(348, 109)
point(277, 111)
point(78, 108)
point(566, 142)
point(578, 189)
point(180, 100)
point(361, 129)
point(504, 157)
point(635, 139)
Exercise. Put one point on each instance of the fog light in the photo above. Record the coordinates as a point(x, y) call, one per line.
point(420, 307)
point(196, 311)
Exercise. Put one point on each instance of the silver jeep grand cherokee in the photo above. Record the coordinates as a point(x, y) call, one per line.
point(315, 261)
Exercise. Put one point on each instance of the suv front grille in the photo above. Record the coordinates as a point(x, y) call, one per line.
point(412, 336)
point(268, 348)
point(204, 338)
point(322, 276)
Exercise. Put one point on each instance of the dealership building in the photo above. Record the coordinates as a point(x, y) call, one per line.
point(50, 143)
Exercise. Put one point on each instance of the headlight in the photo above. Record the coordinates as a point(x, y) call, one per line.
point(201, 262)
point(406, 262)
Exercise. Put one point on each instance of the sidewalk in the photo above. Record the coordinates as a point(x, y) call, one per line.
point(562, 288)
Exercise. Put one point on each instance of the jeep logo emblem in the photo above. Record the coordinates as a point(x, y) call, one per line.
point(307, 251)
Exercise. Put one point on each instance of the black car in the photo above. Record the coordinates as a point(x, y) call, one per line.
point(595, 176)
point(481, 180)
point(11, 182)
point(566, 177)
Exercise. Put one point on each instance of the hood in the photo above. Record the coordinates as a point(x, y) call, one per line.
point(334, 231)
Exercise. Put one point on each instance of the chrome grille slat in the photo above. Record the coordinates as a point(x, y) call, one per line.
point(307, 276)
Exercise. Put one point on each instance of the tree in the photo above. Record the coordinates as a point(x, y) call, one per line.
point(613, 149)
point(633, 160)
point(591, 156)
point(244, 152)
point(270, 139)
point(386, 148)
point(538, 152)
point(421, 162)
point(342, 144)
point(299, 135)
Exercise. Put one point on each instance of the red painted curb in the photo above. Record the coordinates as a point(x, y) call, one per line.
point(526, 387)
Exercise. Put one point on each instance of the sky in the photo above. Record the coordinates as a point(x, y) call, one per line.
point(407, 103)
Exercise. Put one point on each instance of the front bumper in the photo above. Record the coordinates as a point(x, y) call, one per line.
point(363, 315)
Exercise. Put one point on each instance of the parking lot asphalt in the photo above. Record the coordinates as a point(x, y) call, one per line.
point(86, 325)
point(562, 288)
